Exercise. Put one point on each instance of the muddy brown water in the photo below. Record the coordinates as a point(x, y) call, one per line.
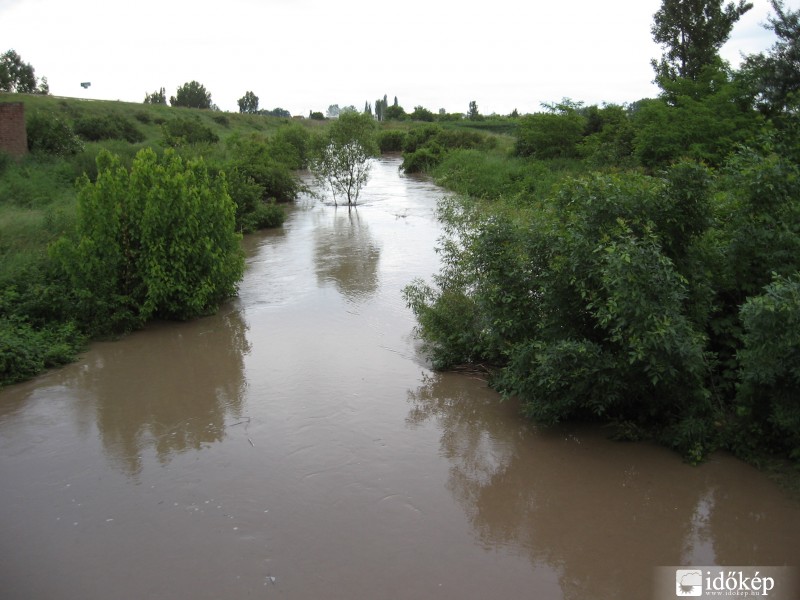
point(296, 445)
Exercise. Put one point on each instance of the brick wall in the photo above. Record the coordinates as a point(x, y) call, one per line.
point(13, 137)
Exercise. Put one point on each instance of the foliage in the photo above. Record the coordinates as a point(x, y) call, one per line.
point(691, 33)
point(702, 119)
point(776, 75)
point(248, 103)
point(50, 134)
point(550, 135)
point(158, 97)
point(18, 76)
point(26, 350)
point(267, 164)
point(391, 140)
point(472, 113)
point(394, 113)
point(157, 241)
point(422, 114)
point(341, 162)
point(191, 95)
point(93, 128)
point(425, 147)
point(768, 401)
point(182, 131)
point(609, 137)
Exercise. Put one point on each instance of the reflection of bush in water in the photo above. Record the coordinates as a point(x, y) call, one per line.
point(171, 388)
point(565, 497)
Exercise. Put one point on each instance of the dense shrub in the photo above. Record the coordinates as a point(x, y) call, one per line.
point(391, 140)
point(768, 401)
point(158, 241)
point(550, 135)
point(181, 131)
point(93, 128)
point(49, 134)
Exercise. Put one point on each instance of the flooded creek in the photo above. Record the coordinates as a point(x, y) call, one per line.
point(297, 445)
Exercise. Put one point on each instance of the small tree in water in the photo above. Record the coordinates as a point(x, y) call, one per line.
point(341, 164)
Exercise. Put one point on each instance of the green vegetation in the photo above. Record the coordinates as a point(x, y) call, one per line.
point(341, 159)
point(149, 231)
point(635, 265)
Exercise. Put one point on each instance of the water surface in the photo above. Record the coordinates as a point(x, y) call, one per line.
point(296, 445)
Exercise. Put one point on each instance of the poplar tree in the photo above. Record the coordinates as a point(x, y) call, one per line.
point(691, 33)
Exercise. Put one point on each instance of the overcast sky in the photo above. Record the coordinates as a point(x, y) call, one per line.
point(304, 55)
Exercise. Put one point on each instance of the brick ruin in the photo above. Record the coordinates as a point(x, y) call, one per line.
point(13, 136)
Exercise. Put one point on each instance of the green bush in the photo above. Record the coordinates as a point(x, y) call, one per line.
point(94, 128)
point(768, 400)
point(182, 131)
point(49, 134)
point(391, 140)
point(158, 241)
point(550, 135)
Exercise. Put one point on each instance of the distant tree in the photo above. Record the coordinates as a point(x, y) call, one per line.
point(380, 108)
point(367, 108)
point(191, 95)
point(341, 164)
point(159, 97)
point(18, 76)
point(395, 102)
point(394, 113)
point(514, 114)
point(333, 111)
point(347, 109)
point(276, 112)
point(248, 103)
point(776, 75)
point(316, 116)
point(422, 114)
point(473, 113)
point(691, 33)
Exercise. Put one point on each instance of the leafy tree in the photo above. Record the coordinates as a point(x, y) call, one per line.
point(776, 75)
point(248, 103)
point(158, 97)
point(49, 134)
point(422, 114)
point(394, 112)
point(316, 115)
point(380, 108)
point(155, 241)
point(691, 33)
point(473, 113)
point(554, 134)
point(191, 95)
point(18, 76)
point(278, 112)
point(767, 400)
point(702, 118)
point(333, 111)
point(341, 164)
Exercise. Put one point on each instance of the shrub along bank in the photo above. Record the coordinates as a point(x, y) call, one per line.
point(150, 230)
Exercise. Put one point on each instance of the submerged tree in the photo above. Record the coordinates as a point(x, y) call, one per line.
point(341, 165)
point(691, 33)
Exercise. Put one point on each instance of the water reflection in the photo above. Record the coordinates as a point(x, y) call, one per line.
point(346, 254)
point(171, 388)
point(600, 514)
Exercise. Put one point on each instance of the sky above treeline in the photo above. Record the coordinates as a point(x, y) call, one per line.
point(304, 55)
